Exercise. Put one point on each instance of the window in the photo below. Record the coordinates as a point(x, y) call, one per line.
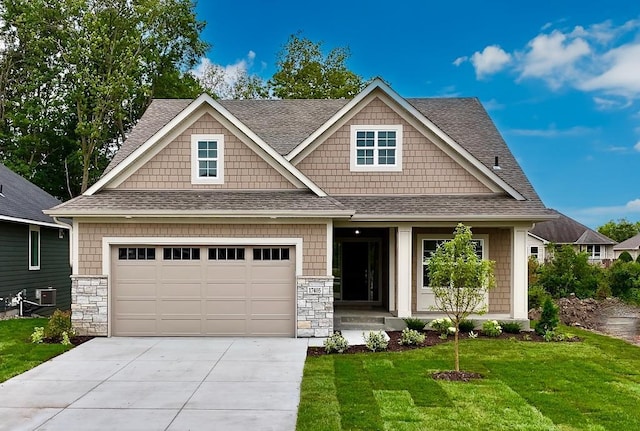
point(533, 252)
point(270, 254)
point(593, 251)
point(207, 159)
point(376, 148)
point(181, 253)
point(226, 253)
point(34, 248)
point(139, 253)
point(429, 247)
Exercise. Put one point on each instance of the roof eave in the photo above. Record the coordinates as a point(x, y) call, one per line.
point(33, 222)
point(129, 214)
point(449, 217)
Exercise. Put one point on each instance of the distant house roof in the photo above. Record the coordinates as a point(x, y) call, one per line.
point(22, 201)
point(632, 243)
point(565, 230)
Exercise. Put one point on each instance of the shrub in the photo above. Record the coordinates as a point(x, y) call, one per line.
point(537, 295)
point(415, 323)
point(473, 335)
point(466, 325)
point(411, 337)
point(604, 291)
point(38, 335)
point(548, 319)
point(376, 341)
point(511, 327)
point(336, 343)
point(492, 328)
point(625, 256)
point(638, 259)
point(622, 277)
point(58, 324)
point(633, 296)
point(442, 325)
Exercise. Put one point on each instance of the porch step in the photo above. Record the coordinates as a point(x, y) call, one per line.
point(372, 323)
point(362, 319)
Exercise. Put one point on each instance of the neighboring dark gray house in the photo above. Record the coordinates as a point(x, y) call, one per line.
point(565, 230)
point(34, 249)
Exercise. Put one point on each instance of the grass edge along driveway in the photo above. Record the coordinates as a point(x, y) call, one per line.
point(590, 385)
point(17, 353)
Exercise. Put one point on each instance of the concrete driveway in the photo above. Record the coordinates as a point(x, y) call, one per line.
point(160, 384)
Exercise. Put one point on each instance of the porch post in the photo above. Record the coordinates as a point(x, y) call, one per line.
point(392, 268)
point(519, 280)
point(403, 266)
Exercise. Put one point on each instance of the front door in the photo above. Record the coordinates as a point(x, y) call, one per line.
point(360, 269)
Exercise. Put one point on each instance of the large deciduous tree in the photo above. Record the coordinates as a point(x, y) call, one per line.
point(305, 73)
point(75, 75)
point(460, 280)
point(621, 230)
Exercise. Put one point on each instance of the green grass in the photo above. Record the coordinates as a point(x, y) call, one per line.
point(591, 385)
point(17, 353)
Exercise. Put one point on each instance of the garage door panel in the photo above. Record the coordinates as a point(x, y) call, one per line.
point(203, 296)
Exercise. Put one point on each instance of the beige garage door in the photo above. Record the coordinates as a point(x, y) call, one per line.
point(190, 290)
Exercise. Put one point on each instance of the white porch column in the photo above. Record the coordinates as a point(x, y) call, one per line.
point(403, 266)
point(392, 268)
point(519, 279)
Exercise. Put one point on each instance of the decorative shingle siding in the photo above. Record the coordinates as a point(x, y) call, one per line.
point(314, 239)
point(425, 168)
point(171, 167)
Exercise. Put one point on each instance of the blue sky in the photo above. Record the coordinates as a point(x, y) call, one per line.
point(561, 80)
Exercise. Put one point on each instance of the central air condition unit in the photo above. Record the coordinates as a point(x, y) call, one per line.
point(46, 297)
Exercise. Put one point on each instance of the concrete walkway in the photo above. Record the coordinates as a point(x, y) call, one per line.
point(160, 384)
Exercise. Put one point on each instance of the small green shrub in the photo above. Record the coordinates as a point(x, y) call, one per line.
point(604, 291)
point(466, 325)
point(443, 325)
point(59, 323)
point(65, 339)
point(633, 296)
point(415, 323)
point(537, 295)
point(375, 341)
point(625, 256)
point(549, 318)
point(411, 337)
point(336, 343)
point(638, 259)
point(38, 335)
point(511, 327)
point(492, 328)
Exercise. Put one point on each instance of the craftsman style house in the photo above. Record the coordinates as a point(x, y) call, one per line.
point(258, 217)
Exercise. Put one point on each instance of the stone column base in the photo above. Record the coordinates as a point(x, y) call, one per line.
point(89, 304)
point(314, 306)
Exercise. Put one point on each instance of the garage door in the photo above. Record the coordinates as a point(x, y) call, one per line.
point(191, 290)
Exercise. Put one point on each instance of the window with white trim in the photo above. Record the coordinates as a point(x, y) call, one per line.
point(593, 251)
point(534, 251)
point(34, 248)
point(376, 148)
point(429, 246)
point(207, 159)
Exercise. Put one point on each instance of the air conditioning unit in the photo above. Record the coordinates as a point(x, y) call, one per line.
point(46, 297)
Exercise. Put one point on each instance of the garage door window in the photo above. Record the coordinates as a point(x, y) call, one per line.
point(270, 254)
point(139, 253)
point(181, 253)
point(226, 253)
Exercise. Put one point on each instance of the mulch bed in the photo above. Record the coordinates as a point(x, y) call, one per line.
point(432, 339)
point(76, 341)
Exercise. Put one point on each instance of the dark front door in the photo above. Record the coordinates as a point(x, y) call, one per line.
point(355, 272)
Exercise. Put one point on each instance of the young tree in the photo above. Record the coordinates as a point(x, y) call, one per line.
point(460, 280)
point(305, 73)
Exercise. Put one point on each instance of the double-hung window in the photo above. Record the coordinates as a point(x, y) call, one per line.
point(207, 159)
point(376, 148)
point(593, 251)
point(429, 246)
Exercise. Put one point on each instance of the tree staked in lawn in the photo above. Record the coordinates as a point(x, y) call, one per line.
point(460, 280)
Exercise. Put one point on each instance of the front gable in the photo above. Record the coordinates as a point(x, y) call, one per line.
point(171, 167)
point(420, 166)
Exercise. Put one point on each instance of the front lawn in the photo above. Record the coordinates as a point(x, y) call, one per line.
point(590, 385)
point(17, 353)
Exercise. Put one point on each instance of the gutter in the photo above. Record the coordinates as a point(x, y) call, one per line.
point(71, 233)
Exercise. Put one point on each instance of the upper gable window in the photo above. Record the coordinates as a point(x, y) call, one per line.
point(376, 148)
point(207, 159)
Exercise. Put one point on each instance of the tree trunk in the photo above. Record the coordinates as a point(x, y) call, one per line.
point(455, 342)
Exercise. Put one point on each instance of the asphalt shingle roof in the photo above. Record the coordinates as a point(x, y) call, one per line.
point(23, 199)
point(565, 230)
point(632, 243)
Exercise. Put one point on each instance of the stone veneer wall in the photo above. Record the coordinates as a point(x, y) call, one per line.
point(89, 304)
point(315, 306)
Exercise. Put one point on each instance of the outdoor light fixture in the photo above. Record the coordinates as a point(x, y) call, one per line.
point(357, 232)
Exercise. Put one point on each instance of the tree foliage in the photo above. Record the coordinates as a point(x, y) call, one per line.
point(304, 72)
point(460, 280)
point(222, 84)
point(621, 230)
point(568, 271)
point(75, 75)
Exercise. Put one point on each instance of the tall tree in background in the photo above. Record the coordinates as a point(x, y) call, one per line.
point(621, 230)
point(305, 73)
point(75, 75)
point(239, 84)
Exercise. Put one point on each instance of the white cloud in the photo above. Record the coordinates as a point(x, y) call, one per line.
point(607, 103)
point(617, 211)
point(221, 79)
point(458, 61)
point(637, 146)
point(492, 59)
point(492, 105)
point(621, 75)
